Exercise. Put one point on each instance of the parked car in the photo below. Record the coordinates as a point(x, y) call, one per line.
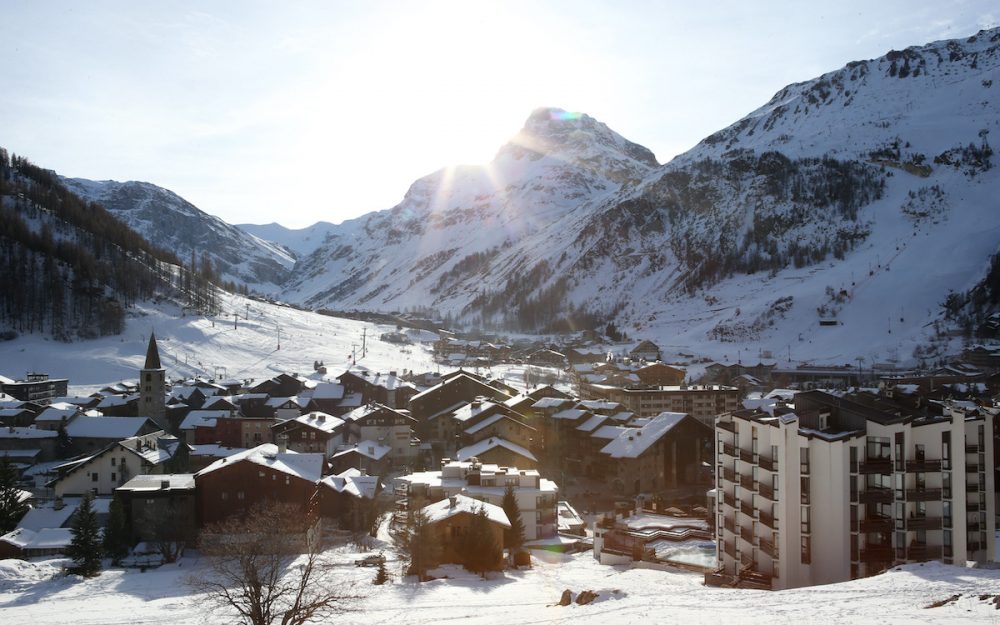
point(374, 559)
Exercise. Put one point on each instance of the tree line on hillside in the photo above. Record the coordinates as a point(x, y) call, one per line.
point(70, 269)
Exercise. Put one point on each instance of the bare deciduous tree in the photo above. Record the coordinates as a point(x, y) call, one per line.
point(268, 567)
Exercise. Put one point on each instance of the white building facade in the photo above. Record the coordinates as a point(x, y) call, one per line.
point(842, 489)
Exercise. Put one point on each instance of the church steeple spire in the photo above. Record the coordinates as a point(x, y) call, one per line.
point(152, 354)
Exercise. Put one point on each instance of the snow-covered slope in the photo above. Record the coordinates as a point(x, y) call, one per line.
point(860, 198)
point(168, 220)
point(301, 241)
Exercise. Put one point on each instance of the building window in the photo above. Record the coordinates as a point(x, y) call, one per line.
point(854, 459)
point(806, 550)
point(93, 477)
point(240, 495)
point(805, 520)
point(225, 495)
point(804, 486)
point(113, 477)
point(804, 460)
point(113, 461)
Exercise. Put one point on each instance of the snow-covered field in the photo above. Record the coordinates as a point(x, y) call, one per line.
point(36, 593)
point(195, 345)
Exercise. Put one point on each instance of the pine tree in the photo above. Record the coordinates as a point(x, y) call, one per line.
point(85, 547)
point(116, 533)
point(381, 575)
point(11, 506)
point(513, 538)
point(479, 551)
point(64, 444)
point(418, 544)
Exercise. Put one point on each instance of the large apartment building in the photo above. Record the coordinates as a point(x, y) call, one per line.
point(847, 486)
point(703, 402)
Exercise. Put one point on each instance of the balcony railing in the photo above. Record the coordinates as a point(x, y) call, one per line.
point(923, 494)
point(746, 507)
point(730, 525)
point(768, 519)
point(972, 448)
point(746, 481)
point(767, 464)
point(747, 456)
point(875, 495)
point(746, 534)
point(729, 500)
point(972, 506)
point(766, 492)
point(922, 551)
point(876, 524)
point(972, 487)
point(972, 526)
point(971, 467)
point(768, 548)
point(923, 523)
point(728, 426)
point(729, 475)
point(923, 466)
point(877, 553)
point(976, 546)
point(875, 465)
point(729, 450)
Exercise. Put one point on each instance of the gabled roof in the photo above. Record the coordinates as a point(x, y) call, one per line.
point(571, 414)
point(328, 390)
point(369, 449)
point(551, 402)
point(460, 504)
point(633, 442)
point(303, 466)
point(203, 418)
point(485, 445)
point(106, 427)
point(152, 354)
point(353, 482)
point(592, 423)
point(319, 421)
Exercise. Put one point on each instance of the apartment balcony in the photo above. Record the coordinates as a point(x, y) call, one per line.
point(923, 523)
point(766, 492)
point(767, 519)
point(747, 456)
point(972, 448)
point(767, 464)
point(876, 524)
point(729, 500)
point(769, 548)
point(729, 450)
point(923, 466)
point(971, 467)
point(973, 526)
point(729, 524)
point(746, 481)
point(923, 494)
point(729, 475)
point(728, 426)
point(923, 551)
point(746, 534)
point(972, 487)
point(548, 518)
point(729, 549)
point(875, 495)
point(972, 506)
point(977, 546)
point(877, 553)
point(746, 508)
point(875, 465)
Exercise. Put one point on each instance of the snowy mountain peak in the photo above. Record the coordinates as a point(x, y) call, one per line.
point(573, 136)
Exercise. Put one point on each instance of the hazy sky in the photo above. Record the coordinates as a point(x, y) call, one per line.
point(302, 111)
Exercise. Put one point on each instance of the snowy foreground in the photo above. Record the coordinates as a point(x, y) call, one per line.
point(36, 593)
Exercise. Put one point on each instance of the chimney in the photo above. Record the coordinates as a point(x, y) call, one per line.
point(452, 501)
point(282, 440)
point(58, 503)
point(164, 484)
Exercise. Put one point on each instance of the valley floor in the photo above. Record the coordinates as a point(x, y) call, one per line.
point(36, 593)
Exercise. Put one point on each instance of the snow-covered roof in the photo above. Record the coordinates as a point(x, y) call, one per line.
point(55, 415)
point(599, 404)
point(488, 421)
point(105, 427)
point(635, 441)
point(609, 431)
point(320, 421)
point(591, 424)
point(305, 466)
point(46, 538)
point(570, 413)
point(28, 432)
point(214, 450)
point(328, 390)
point(353, 482)
point(460, 504)
point(173, 481)
point(203, 418)
point(352, 400)
point(276, 402)
point(477, 449)
point(370, 449)
point(550, 402)
point(47, 516)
